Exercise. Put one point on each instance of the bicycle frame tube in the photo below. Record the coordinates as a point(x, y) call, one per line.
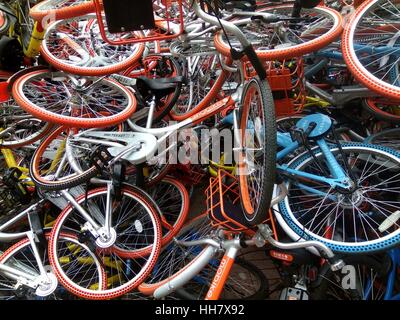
point(35, 42)
point(12, 163)
point(395, 257)
point(222, 274)
point(195, 268)
point(20, 216)
point(24, 277)
point(339, 179)
point(334, 167)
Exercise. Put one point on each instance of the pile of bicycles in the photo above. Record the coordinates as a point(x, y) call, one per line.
point(146, 147)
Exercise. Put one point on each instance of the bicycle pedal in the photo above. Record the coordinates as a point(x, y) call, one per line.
point(11, 179)
point(100, 158)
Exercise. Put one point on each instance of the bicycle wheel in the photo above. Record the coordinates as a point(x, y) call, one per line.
point(80, 103)
point(388, 138)
point(172, 199)
point(136, 228)
point(4, 23)
point(245, 282)
point(383, 109)
point(369, 278)
point(316, 28)
point(154, 67)
point(347, 222)
point(50, 168)
point(257, 162)
point(205, 80)
point(19, 128)
point(370, 46)
point(80, 263)
point(76, 46)
point(60, 9)
point(174, 258)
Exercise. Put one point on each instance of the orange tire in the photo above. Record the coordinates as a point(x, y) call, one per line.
point(352, 59)
point(49, 9)
point(112, 292)
point(136, 51)
point(73, 120)
point(292, 51)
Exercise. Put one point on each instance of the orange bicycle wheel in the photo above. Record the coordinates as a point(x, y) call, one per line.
point(325, 25)
point(370, 47)
point(135, 223)
point(76, 46)
point(85, 103)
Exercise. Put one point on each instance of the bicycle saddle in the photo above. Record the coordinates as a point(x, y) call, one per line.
point(158, 87)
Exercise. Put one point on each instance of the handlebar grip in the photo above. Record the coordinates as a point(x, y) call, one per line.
point(255, 61)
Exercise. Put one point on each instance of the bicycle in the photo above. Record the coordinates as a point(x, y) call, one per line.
point(320, 177)
point(24, 268)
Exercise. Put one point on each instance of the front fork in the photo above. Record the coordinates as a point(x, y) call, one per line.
point(104, 234)
point(45, 279)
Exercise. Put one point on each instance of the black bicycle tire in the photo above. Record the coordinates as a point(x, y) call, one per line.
point(270, 133)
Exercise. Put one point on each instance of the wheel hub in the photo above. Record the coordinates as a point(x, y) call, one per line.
point(349, 201)
point(49, 285)
point(106, 241)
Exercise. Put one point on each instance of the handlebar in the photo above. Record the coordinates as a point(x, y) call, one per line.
point(248, 49)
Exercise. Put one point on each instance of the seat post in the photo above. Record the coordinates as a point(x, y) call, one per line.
point(151, 112)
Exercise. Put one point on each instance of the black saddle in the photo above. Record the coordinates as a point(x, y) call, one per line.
point(157, 87)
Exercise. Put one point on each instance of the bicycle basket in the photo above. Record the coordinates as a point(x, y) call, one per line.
point(223, 203)
point(157, 19)
point(286, 79)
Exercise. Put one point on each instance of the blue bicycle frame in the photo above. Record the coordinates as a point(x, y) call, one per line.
point(391, 281)
point(339, 177)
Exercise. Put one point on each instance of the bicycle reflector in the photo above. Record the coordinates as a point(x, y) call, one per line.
point(120, 21)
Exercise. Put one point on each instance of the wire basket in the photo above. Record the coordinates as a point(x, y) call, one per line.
point(156, 19)
point(223, 204)
point(286, 79)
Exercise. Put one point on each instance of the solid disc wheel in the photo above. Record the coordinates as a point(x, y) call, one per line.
point(136, 227)
point(370, 46)
point(347, 222)
point(81, 103)
point(316, 29)
point(258, 158)
point(80, 263)
point(60, 9)
point(76, 46)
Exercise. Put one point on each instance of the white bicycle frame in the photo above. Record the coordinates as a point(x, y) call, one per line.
point(44, 279)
